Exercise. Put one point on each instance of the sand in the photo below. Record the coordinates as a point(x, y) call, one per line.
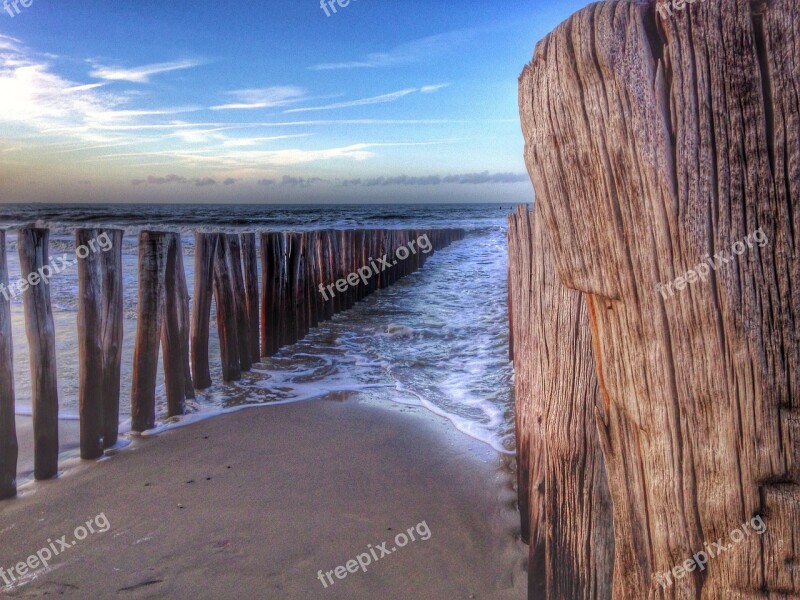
point(254, 504)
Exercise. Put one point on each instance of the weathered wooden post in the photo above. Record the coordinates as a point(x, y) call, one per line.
point(311, 292)
point(336, 264)
point(33, 257)
point(113, 332)
point(227, 326)
point(240, 301)
point(8, 428)
point(250, 258)
point(205, 248)
point(153, 249)
point(90, 346)
point(174, 332)
point(159, 324)
point(184, 320)
point(270, 280)
point(297, 306)
point(324, 274)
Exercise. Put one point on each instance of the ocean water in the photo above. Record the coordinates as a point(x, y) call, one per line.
point(437, 339)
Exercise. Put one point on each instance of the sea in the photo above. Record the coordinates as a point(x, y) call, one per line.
point(437, 339)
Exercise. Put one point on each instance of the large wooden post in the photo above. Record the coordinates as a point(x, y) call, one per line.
point(113, 331)
point(184, 317)
point(153, 251)
point(33, 257)
point(8, 428)
point(174, 332)
point(227, 325)
point(205, 248)
point(90, 346)
point(240, 300)
point(662, 142)
point(250, 258)
point(270, 280)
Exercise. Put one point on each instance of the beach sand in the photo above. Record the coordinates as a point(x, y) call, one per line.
point(255, 503)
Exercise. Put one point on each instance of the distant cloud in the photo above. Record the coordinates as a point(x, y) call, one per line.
point(459, 179)
point(141, 74)
point(263, 98)
point(301, 181)
point(382, 99)
point(229, 181)
point(169, 179)
point(416, 51)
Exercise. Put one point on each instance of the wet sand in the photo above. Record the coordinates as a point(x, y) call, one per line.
point(255, 503)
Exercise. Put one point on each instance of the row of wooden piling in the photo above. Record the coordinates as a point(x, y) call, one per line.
point(306, 278)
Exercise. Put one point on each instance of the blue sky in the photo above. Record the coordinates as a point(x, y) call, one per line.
point(243, 101)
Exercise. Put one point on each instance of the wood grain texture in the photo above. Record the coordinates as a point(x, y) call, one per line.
point(9, 449)
point(33, 246)
point(655, 142)
point(564, 495)
point(227, 323)
point(90, 347)
point(205, 249)
point(250, 265)
point(112, 332)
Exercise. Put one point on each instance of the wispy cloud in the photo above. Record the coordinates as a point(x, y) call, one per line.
point(177, 179)
point(141, 74)
point(416, 51)
point(382, 99)
point(405, 180)
point(263, 98)
point(429, 89)
point(460, 179)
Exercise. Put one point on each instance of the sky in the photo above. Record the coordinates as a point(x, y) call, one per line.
point(276, 101)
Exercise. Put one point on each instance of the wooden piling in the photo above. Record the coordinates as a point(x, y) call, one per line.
point(227, 326)
point(205, 247)
point(250, 263)
point(153, 251)
point(8, 429)
point(90, 347)
point(270, 279)
point(113, 332)
point(184, 321)
point(174, 331)
point(33, 257)
point(239, 300)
